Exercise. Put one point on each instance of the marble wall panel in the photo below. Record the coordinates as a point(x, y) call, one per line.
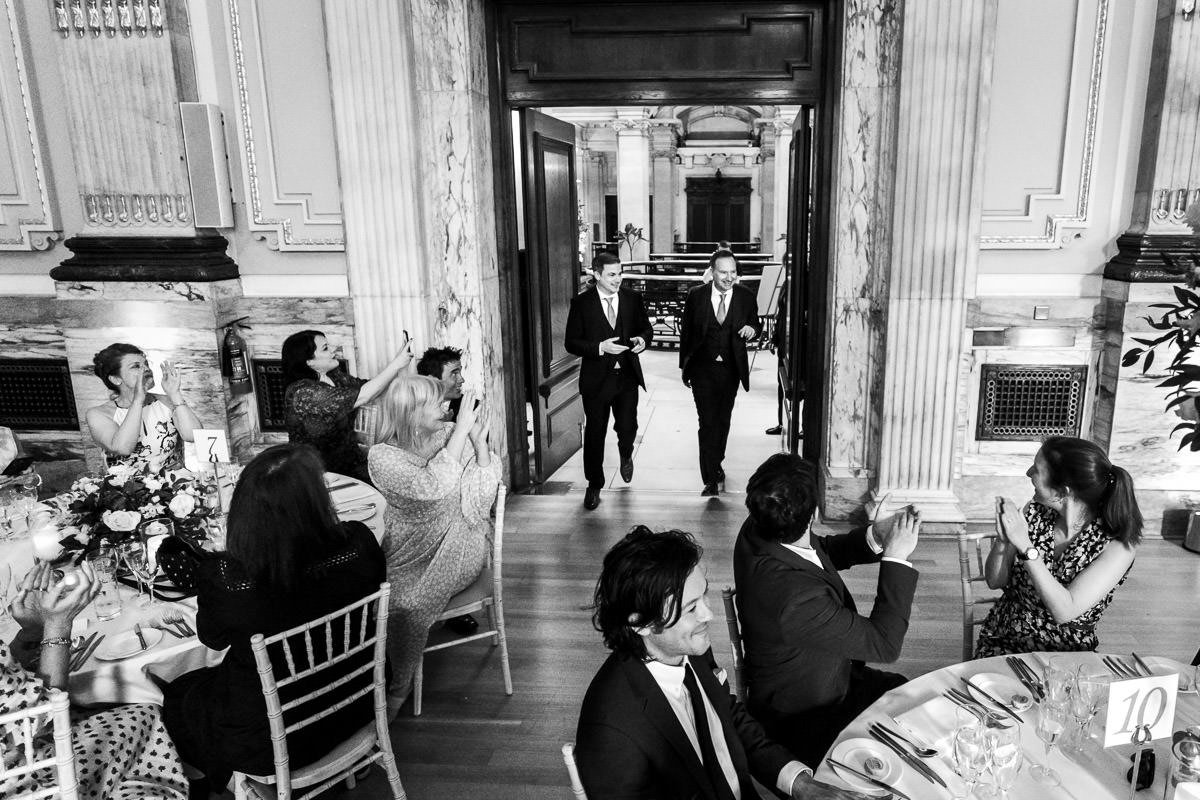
point(28, 329)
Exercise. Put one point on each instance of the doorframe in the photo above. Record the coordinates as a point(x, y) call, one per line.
point(517, 338)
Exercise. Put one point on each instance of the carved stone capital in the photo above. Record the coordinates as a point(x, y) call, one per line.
point(195, 259)
point(1147, 258)
point(631, 126)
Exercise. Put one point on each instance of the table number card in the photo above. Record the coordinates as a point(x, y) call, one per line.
point(211, 445)
point(1147, 703)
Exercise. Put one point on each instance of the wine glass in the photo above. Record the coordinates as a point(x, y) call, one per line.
point(1059, 679)
point(970, 756)
point(1051, 724)
point(133, 555)
point(8, 512)
point(1089, 690)
point(1004, 753)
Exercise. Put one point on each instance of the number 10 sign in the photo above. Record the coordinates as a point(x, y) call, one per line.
point(1140, 710)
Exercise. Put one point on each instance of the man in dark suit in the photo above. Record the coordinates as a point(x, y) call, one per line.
point(607, 327)
point(805, 640)
point(658, 720)
point(718, 319)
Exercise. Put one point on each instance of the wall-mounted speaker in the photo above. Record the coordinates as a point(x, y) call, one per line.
point(207, 165)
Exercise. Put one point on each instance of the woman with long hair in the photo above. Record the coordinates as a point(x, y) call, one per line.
point(320, 399)
point(288, 561)
point(1060, 561)
point(439, 479)
point(134, 421)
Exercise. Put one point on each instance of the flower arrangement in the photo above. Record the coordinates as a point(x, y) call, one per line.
point(108, 509)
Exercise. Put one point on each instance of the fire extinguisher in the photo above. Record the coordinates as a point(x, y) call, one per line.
point(234, 363)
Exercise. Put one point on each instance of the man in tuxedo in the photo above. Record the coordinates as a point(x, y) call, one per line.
point(718, 319)
point(658, 720)
point(805, 640)
point(607, 327)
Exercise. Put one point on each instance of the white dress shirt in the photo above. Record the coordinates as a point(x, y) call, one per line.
point(670, 680)
point(616, 307)
point(810, 555)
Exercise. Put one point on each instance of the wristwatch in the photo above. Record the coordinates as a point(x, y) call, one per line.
point(1029, 554)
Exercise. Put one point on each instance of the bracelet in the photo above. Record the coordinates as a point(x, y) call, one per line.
point(55, 640)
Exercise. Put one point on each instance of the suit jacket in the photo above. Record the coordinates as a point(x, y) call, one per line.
point(803, 634)
point(698, 315)
point(587, 327)
point(630, 743)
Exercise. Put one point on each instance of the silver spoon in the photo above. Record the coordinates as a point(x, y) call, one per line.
point(906, 733)
point(923, 752)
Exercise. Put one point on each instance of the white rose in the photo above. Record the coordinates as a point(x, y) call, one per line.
point(45, 541)
point(120, 473)
point(121, 520)
point(153, 484)
point(152, 510)
point(182, 504)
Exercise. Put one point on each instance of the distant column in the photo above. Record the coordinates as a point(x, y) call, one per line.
point(662, 154)
point(948, 49)
point(633, 182)
point(782, 190)
point(767, 155)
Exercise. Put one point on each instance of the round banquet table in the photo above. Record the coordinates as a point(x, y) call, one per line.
point(1093, 774)
point(126, 680)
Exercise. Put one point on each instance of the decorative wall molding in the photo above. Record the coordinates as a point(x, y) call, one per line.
point(1048, 214)
point(134, 210)
point(28, 216)
point(1170, 206)
point(94, 18)
point(294, 198)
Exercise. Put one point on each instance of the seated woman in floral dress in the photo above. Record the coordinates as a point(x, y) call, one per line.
point(122, 753)
point(439, 479)
point(1060, 562)
point(134, 421)
point(320, 399)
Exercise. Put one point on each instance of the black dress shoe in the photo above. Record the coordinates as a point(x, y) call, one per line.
point(710, 490)
point(463, 626)
point(720, 475)
point(591, 498)
point(627, 469)
point(774, 431)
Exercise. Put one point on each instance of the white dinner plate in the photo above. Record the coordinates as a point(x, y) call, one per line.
point(362, 511)
point(126, 644)
point(854, 753)
point(1002, 687)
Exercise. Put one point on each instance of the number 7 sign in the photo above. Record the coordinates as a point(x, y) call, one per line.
point(1140, 710)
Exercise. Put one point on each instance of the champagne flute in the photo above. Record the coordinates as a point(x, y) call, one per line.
point(970, 756)
point(1090, 689)
point(1003, 753)
point(132, 555)
point(1059, 679)
point(1051, 723)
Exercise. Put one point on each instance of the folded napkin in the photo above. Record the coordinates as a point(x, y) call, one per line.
point(934, 719)
point(358, 493)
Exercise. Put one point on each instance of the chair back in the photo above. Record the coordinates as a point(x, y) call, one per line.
point(568, 753)
point(18, 732)
point(972, 557)
point(357, 628)
point(729, 597)
point(366, 424)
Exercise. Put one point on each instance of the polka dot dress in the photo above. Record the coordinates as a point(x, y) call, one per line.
point(120, 754)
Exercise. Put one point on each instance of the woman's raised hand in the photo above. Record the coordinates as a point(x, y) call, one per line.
point(1011, 525)
point(468, 411)
point(66, 597)
point(171, 382)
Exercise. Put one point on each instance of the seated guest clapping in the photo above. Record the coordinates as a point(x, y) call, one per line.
point(134, 421)
point(320, 399)
point(658, 719)
point(289, 561)
point(121, 752)
point(805, 641)
point(439, 479)
point(1061, 558)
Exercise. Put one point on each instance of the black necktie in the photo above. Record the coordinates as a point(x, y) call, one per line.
point(716, 776)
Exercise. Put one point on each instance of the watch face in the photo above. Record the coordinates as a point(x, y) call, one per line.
point(1031, 554)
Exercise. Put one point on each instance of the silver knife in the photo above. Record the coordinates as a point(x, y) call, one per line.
point(1143, 665)
point(994, 700)
point(137, 629)
point(866, 777)
point(878, 733)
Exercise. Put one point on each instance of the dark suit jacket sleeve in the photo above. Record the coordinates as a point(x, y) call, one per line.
point(685, 327)
point(611, 765)
point(814, 614)
point(752, 318)
point(641, 322)
point(848, 549)
point(575, 339)
point(766, 758)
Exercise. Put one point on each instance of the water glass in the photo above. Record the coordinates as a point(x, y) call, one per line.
point(1089, 690)
point(1004, 752)
point(108, 601)
point(1059, 679)
point(970, 756)
point(1051, 725)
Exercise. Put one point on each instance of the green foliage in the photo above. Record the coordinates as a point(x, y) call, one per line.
point(631, 236)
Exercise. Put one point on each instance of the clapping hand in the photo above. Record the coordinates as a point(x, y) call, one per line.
point(1010, 524)
point(900, 539)
point(611, 347)
point(45, 602)
point(171, 382)
point(468, 411)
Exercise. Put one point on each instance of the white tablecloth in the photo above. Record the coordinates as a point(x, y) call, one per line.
point(1094, 774)
point(126, 681)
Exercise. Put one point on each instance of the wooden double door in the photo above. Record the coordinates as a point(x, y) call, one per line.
point(718, 209)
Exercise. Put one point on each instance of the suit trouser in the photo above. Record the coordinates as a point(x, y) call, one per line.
point(618, 392)
point(714, 388)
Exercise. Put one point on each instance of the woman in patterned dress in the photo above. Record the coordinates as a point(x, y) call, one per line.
point(134, 421)
point(123, 753)
point(439, 479)
point(320, 399)
point(1060, 562)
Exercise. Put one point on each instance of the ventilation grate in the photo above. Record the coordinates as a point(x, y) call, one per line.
point(1029, 403)
point(36, 395)
point(268, 389)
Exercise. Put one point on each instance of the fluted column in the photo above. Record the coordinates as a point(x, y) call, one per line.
point(943, 116)
point(662, 155)
point(782, 190)
point(370, 61)
point(633, 181)
point(767, 155)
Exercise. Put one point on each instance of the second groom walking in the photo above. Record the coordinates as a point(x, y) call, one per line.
point(607, 327)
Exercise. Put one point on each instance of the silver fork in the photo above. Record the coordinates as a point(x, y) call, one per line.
point(965, 702)
point(174, 618)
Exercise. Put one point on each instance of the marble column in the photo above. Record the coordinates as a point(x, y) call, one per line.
point(765, 166)
point(782, 190)
point(860, 250)
point(596, 169)
point(371, 76)
point(947, 50)
point(633, 182)
point(662, 154)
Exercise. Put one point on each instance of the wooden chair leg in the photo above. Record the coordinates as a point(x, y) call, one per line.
point(491, 615)
point(388, 761)
point(499, 612)
point(418, 680)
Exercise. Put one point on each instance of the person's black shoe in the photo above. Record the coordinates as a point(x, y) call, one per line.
point(627, 469)
point(591, 498)
point(777, 430)
point(463, 626)
point(710, 490)
point(720, 475)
